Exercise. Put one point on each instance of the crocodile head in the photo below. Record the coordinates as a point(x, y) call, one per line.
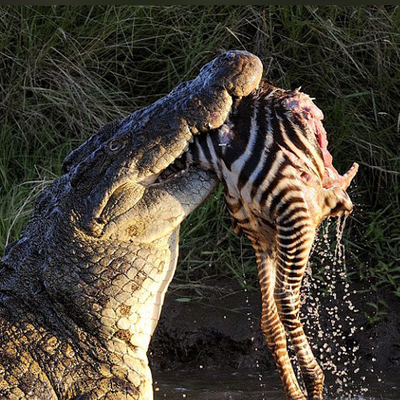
point(110, 172)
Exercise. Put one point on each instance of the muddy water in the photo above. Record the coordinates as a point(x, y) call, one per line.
point(216, 385)
point(205, 385)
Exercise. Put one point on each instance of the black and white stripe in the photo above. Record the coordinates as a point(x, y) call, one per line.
point(248, 153)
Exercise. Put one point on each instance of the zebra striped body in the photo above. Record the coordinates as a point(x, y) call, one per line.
point(280, 184)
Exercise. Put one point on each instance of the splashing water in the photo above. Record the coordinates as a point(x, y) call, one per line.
point(328, 314)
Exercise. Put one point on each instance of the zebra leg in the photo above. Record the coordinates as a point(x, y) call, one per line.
point(273, 328)
point(294, 245)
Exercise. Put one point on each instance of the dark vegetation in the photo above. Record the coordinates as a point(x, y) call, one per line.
point(67, 70)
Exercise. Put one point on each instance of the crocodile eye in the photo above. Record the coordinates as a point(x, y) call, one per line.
point(116, 144)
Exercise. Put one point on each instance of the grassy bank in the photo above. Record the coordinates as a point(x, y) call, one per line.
point(66, 70)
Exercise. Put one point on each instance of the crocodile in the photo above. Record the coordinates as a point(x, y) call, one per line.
point(82, 290)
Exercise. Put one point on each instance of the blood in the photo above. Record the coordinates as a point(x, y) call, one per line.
point(302, 105)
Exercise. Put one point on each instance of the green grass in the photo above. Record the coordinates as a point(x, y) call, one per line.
point(66, 70)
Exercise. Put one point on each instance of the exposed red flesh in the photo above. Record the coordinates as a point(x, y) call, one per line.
point(312, 116)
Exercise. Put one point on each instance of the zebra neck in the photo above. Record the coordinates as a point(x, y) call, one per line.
point(206, 152)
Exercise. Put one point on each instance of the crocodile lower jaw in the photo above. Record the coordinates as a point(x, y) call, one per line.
point(173, 170)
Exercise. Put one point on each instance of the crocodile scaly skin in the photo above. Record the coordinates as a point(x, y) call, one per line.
point(82, 290)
